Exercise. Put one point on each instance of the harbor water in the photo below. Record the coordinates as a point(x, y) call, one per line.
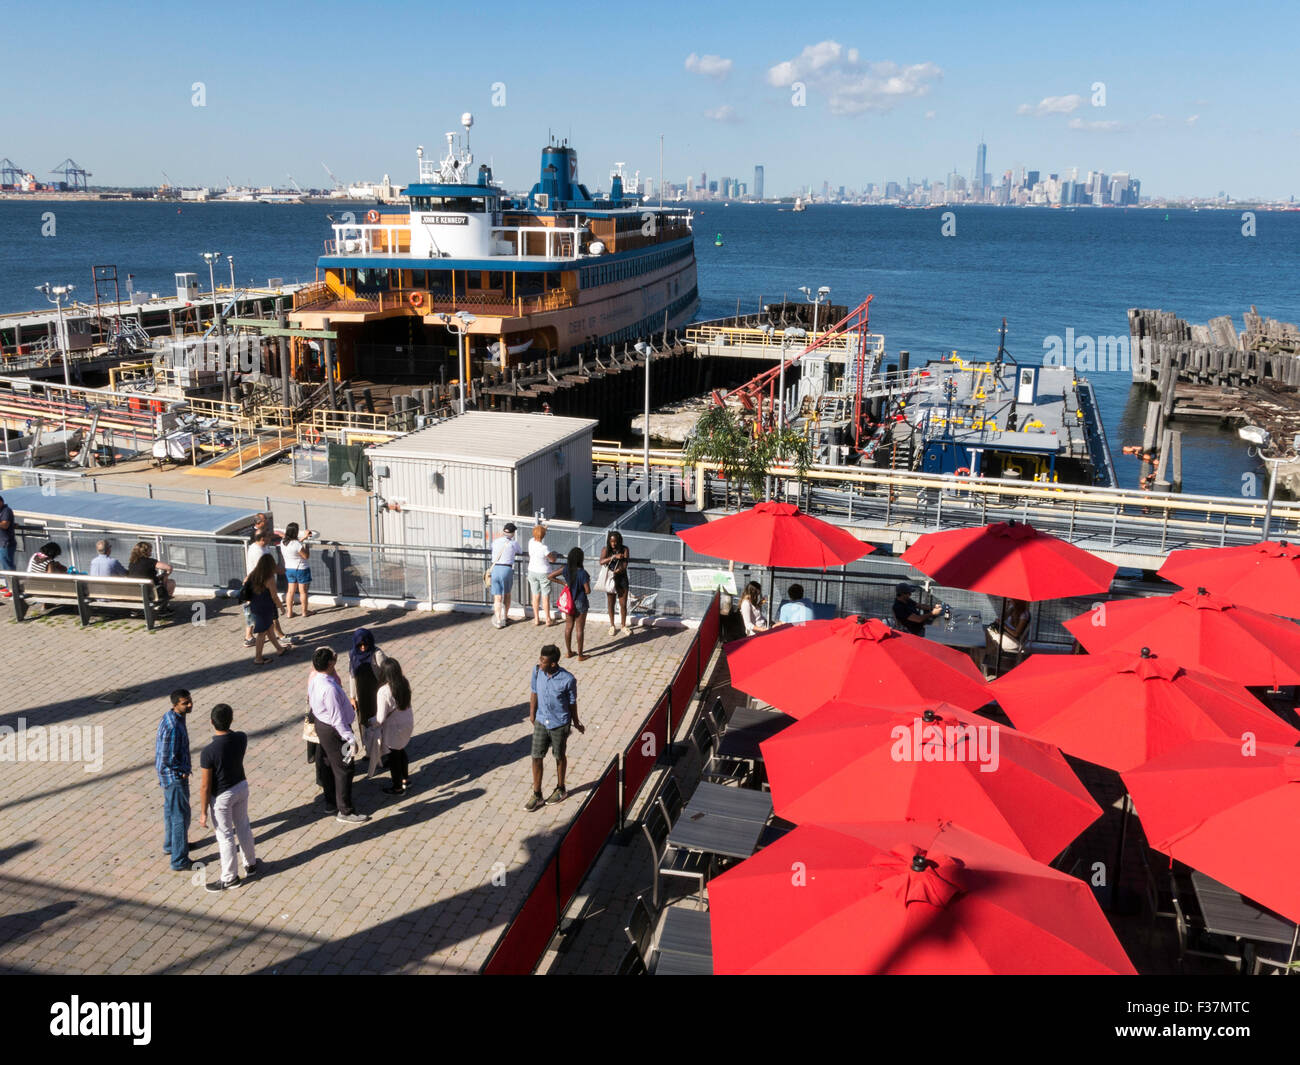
point(1052, 273)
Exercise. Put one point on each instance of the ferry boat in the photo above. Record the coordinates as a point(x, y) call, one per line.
point(551, 271)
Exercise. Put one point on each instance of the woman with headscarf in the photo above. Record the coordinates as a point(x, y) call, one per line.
point(365, 661)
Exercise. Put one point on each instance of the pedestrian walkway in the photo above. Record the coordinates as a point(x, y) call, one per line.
point(425, 886)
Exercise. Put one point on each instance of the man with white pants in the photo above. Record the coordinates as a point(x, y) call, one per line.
point(225, 788)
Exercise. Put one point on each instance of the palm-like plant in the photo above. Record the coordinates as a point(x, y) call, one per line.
point(744, 459)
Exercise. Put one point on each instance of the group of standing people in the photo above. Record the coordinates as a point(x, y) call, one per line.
point(575, 585)
point(264, 564)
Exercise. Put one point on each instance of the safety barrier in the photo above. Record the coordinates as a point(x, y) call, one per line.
point(524, 940)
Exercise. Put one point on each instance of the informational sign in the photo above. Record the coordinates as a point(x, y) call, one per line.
point(444, 219)
point(706, 580)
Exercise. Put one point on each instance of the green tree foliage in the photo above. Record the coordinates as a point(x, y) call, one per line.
point(720, 437)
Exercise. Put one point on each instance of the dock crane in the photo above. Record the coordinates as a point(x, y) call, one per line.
point(295, 185)
point(334, 182)
point(11, 173)
point(74, 176)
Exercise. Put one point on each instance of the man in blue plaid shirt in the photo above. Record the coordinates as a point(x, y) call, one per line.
point(171, 757)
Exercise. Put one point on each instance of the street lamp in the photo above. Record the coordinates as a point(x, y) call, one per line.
point(465, 320)
point(1260, 439)
point(55, 294)
point(645, 351)
point(822, 293)
point(231, 260)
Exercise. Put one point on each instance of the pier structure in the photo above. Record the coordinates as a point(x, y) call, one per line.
point(1213, 372)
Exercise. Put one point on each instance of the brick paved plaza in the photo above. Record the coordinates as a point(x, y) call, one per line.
point(85, 887)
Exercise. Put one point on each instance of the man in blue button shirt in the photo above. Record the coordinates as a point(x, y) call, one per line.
point(552, 707)
point(171, 757)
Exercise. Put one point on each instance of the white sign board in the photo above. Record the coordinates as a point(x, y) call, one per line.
point(706, 580)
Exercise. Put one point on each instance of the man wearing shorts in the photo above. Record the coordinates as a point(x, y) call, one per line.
point(504, 549)
point(552, 708)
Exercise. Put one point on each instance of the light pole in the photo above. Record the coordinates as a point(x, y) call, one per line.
point(465, 320)
point(55, 294)
point(645, 351)
point(212, 258)
point(1261, 438)
point(822, 293)
point(792, 333)
point(231, 260)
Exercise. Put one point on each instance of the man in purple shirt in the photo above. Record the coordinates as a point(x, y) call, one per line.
point(333, 716)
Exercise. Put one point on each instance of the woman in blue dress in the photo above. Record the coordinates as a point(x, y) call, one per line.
point(578, 582)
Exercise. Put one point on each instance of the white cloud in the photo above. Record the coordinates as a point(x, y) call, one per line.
point(1191, 121)
point(929, 114)
point(1095, 126)
point(1157, 117)
point(711, 66)
point(850, 85)
point(1052, 105)
point(725, 113)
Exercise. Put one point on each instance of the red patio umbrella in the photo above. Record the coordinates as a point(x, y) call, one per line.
point(1263, 576)
point(1201, 631)
point(1228, 813)
point(904, 897)
point(799, 667)
point(776, 534)
point(1010, 559)
point(1120, 709)
point(848, 764)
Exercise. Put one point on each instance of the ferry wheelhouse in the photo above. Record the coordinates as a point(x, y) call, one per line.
point(551, 271)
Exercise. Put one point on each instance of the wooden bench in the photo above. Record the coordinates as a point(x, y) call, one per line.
point(83, 592)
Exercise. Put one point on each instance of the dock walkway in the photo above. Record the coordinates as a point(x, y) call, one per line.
point(425, 886)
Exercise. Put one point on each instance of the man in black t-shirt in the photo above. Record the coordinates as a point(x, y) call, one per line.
point(910, 616)
point(225, 787)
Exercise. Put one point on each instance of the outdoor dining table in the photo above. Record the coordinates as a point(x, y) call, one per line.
point(685, 943)
point(1226, 912)
point(722, 820)
point(964, 635)
point(747, 728)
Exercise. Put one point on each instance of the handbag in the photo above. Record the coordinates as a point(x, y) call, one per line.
point(606, 581)
point(309, 730)
point(487, 577)
point(565, 601)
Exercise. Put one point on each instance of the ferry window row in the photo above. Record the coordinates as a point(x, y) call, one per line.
point(594, 276)
point(463, 204)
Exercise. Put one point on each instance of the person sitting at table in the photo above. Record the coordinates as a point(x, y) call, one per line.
point(751, 609)
point(796, 610)
point(912, 617)
point(1010, 633)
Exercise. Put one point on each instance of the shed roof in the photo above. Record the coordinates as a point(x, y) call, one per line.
point(106, 510)
point(484, 438)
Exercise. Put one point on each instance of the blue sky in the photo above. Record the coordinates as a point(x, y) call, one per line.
point(1199, 97)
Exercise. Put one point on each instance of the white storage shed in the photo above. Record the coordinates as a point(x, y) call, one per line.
point(435, 482)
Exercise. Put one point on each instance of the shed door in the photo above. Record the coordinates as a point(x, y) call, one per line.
point(563, 503)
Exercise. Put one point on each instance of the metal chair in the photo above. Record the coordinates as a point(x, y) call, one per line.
point(712, 768)
point(716, 716)
point(631, 965)
point(667, 860)
point(640, 932)
point(670, 799)
point(1195, 942)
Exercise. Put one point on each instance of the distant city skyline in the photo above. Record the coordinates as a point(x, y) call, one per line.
point(856, 96)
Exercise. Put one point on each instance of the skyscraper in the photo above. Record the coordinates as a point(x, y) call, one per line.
point(981, 159)
point(758, 182)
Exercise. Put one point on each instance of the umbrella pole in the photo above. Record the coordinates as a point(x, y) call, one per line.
point(1002, 624)
point(771, 602)
point(1290, 958)
point(1119, 855)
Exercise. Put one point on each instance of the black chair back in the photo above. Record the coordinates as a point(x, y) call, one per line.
point(670, 798)
point(640, 929)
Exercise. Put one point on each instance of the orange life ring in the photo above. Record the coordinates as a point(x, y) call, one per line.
point(372, 217)
point(416, 299)
point(962, 471)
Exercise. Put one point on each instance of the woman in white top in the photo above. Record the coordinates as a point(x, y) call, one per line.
point(396, 721)
point(540, 560)
point(297, 567)
point(751, 609)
